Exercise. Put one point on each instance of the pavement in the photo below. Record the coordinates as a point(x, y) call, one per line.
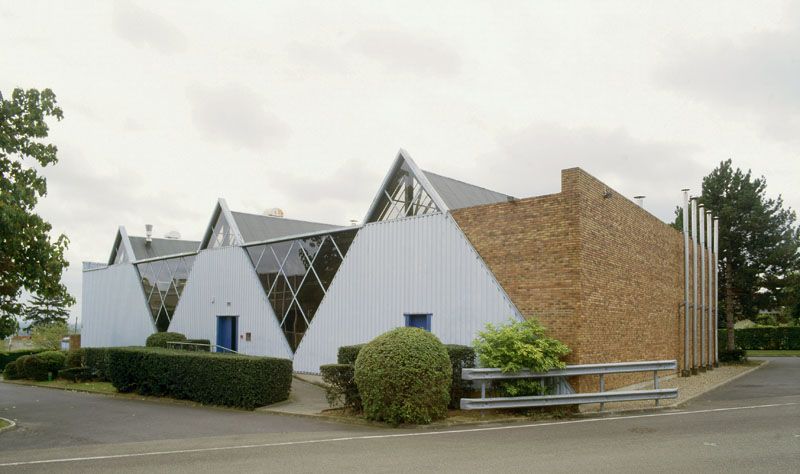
point(749, 425)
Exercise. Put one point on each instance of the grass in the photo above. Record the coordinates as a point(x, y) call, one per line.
point(754, 353)
point(93, 387)
point(3, 423)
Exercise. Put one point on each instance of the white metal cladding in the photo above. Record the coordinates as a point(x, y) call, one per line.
point(413, 265)
point(223, 282)
point(113, 309)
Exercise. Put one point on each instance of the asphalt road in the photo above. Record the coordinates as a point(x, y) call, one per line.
point(749, 425)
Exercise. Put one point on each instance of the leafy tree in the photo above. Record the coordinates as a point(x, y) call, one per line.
point(29, 258)
point(41, 310)
point(758, 243)
point(49, 336)
point(8, 326)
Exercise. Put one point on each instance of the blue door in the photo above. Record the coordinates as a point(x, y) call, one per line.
point(422, 321)
point(226, 333)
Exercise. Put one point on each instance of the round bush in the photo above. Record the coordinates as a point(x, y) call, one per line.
point(160, 339)
point(74, 359)
point(11, 372)
point(404, 376)
point(39, 366)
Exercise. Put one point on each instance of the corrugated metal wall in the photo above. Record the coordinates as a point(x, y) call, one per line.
point(113, 308)
point(224, 283)
point(413, 265)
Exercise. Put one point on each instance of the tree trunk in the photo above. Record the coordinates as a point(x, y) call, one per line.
point(729, 306)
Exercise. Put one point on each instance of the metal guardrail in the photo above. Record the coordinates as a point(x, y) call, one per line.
point(211, 347)
point(602, 397)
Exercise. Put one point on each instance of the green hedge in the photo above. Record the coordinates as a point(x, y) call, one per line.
point(6, 357)
point(40, 366)
point(96, 360)
point(219, 379)
point(11, 372)
point(74, 358)
point(763, 338)
point(76, 374)
point(461, 357)
point(348, 354)
point(206, 347)
point(341, 389)
point(160, 339)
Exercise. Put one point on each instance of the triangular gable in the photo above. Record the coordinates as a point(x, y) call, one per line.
point(123, 250)
point(405, 192)
point(222, 230)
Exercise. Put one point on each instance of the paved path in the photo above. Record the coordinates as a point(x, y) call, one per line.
point(752, 424)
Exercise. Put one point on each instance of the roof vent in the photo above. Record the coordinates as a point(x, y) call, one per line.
point(148, 232)
point(639, 200)
point(273, 212)
point(172, 235)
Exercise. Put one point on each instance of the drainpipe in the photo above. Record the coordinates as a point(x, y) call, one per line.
point(693, 226)
point(716, 291)
point(686, 365)
point(700, 222)
point(710, 305)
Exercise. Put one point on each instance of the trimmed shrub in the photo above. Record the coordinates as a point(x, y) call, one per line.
point(11, 372)
point(404, 376)
point(76, 374)
point(341, 389)
point(160, 339)
point(736, 355)
point(96, 360)
point(6, 357)
point(74, 358)
point(461, 357)
point(348, 354)
point(763, 338)
point(40, 366)
point(518, 345)
point(219, 379)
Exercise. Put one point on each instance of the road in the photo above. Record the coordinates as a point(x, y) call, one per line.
point(749, 425)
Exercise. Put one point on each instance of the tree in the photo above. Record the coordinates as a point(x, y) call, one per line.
point(29, 258)
point(758, 243)
point(41, 310)
point(8, 327)
point(48, 336)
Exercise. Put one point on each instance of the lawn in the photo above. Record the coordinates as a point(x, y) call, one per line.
point(94, 387)
point(753, 353)
point(3, 423)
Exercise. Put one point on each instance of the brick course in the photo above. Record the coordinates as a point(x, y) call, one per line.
point(601, 273)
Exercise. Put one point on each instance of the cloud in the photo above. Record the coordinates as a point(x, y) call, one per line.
point(528, 162)
point(759, 73)
point(237, 116)
point(144, 28)
point(352, 182)
point(404, 52)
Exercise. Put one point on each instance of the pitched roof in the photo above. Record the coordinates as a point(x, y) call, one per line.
point(256, 227)
point(458, 194)
point(160, 247)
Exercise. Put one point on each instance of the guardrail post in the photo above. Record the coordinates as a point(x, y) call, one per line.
point(602, 388)
point(655, 382)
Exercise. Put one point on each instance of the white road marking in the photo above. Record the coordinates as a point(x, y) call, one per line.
point(385, 436)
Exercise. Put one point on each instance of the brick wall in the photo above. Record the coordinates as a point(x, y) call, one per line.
point(601, 273)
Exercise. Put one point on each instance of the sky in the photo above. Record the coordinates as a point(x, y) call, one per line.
point(304, 105)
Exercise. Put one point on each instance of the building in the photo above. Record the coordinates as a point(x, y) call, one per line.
point(600, 272)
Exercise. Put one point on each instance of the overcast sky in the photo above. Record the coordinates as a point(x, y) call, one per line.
point(303, 105)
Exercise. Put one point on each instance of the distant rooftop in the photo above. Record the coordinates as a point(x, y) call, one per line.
point(160, 247)
point(257, 227)
point(458, 194)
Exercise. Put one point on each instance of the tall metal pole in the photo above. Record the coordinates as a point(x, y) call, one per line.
point(693, 227)
point(710, 298)
point(716, 291)
point(702, 234)
point(686, 364)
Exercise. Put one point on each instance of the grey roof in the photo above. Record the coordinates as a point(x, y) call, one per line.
point(458, 194)
point(161, 247)
point(255, 227)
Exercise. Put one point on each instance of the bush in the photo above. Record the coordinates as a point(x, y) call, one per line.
point(40, 366)
point(160, 339)
point(11, 372)
point(341, 389)
point(74, 358)
point(404, 376)
point(76, 374)
point(519, 345)
point(96, 360)
point(763, 338)
point(49, 335)
point(736, 355)
point(220, 379)
point(6, 357)
point(348, 354)
point(461, 357)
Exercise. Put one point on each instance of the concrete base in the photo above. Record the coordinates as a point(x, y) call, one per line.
point(694, 370)
point(686, 373)
point(710, 367)
point(702, 368)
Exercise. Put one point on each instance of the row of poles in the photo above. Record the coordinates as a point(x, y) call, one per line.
point(701, 314)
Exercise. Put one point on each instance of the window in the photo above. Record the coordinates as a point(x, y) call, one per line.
point(223, 234)
point(296, 275)
point(163, 282)
point(422, 321)
point(403, 197)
